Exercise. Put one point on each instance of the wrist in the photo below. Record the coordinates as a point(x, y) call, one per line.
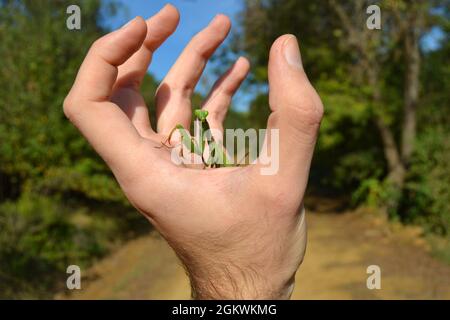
point(226, 284)
point(237, 266)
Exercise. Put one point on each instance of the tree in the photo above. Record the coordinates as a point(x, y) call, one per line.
point(404, 23)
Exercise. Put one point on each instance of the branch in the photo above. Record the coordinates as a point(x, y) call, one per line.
point(354, 34)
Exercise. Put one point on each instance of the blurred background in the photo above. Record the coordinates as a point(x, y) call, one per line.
point(379, 191)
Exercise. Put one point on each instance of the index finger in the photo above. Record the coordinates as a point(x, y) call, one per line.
point(87, 105)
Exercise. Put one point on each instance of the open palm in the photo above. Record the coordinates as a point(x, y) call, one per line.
point(240, 234)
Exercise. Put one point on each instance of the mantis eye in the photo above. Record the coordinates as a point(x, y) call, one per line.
point(201, 114)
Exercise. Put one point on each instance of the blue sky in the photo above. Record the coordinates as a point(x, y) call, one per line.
point(431, 41)
point(194, 15)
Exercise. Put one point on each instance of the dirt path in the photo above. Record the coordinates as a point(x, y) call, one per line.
point(340, 247)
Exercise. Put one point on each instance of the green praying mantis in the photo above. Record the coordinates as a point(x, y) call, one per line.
point(212, 152)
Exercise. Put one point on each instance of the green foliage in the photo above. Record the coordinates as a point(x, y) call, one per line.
point(37, 244)
point(371, 191)
point(59, 203)
point(426, 200)
point(33, 83)
point(427, 192)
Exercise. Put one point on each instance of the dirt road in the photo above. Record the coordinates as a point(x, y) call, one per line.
point(340, 248)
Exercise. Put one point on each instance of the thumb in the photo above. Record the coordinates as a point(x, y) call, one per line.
point(296, 109)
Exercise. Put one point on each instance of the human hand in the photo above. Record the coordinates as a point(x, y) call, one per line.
point(240, 234)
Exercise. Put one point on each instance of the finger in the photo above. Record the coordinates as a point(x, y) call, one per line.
point(219, 99)
point(296, 111)
point(87, 105)
point(173, 95)
point(132, 72)
point(159, 28)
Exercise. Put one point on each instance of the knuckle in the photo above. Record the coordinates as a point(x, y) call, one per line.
point(280, 199)
point(307, 111)
point(216, 115)
point(303, 107)
point(310, 109)
point(98, 48)
point(200, 47)
point(96, 45)
point(181, 88)
point(68, 105)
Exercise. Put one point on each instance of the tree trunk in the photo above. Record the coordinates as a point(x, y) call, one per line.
point(396, 169)
point(411, 93)
point(410, 25)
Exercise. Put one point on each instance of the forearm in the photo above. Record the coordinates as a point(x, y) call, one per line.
point(236, 283)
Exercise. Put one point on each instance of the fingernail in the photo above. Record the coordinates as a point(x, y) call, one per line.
point(292, 52)
point(128, 23)
point(217, 19)
point(213, 20)
point(168, 5)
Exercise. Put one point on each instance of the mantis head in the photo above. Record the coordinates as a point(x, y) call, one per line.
point(200, 114)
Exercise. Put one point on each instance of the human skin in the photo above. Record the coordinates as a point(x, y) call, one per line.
point(239, 234)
